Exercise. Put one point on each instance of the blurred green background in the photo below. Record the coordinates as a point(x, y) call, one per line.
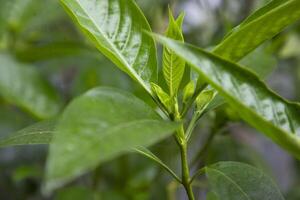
point(39, 33)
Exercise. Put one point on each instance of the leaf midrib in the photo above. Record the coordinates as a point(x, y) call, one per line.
point(231, 181)
point(5, 140)
point(114, 48)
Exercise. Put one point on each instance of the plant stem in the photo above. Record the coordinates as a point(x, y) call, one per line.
point(185, 171)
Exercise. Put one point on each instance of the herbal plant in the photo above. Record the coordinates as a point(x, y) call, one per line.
point(105, 122)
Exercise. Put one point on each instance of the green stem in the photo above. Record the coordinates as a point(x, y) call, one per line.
point(186, 172)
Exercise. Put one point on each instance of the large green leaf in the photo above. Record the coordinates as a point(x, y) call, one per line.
point(173, 66)
point(98, 126)
point(242, 39)
point(116, 27)
point(276, 117)
point(258, 27)
point(259, 61)
point(22, 85)
point(238, 181)
point(39, 133)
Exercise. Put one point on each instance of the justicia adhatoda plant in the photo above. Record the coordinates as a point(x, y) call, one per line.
point(104, 122)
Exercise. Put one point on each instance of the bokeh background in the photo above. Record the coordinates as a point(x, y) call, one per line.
point(40, 33)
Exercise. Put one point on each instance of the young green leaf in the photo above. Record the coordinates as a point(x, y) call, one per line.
point(203, 99)
point(20, 84)
point(98, 126)
point(238, 181)
point(115, 27)
point(267, 22)
point(276, 117)
point(163, 97)
point(173, 66)
point(39, 133)
point(188, 91)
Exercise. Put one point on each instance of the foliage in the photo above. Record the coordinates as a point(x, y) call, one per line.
point(92, 130)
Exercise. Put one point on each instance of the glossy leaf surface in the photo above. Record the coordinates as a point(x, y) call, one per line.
point(20, 84)
point(98, 126)
point(173, 66)
point(276, 117)
point(238, 181)
point(116, 28)
point(259, 27)
point(39, 133)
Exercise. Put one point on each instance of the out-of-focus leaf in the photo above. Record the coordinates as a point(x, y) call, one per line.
point(238, 181)
point(115, 27)
point(27, 171)
point(261, 62)
point(39, 133)
point(274, 116)
point(212, 196)
point(98, 126)
point(259, 27)
point(76, 193)
point(50, 51)
point(173, 66)
point(21, 84)
point(291, 47)
point(21, 15)
point(226, 148)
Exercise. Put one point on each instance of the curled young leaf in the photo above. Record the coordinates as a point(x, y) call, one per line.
point(163, 97)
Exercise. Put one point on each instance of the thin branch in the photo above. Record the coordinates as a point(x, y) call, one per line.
point(145, 152)
point(198, 173)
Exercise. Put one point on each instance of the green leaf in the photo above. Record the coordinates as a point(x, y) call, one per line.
point(212, 196)
point(75, 193)
point(259, 27)
point(242, 39)
point(98, 126)
point(39, 133)
point(203, 99)
point(274, 116)
point(188, 91)
point(115, 27)
point(238, 181)
point(163, 97)
point(173, 66)
point(21, 84)
point(259, 61)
